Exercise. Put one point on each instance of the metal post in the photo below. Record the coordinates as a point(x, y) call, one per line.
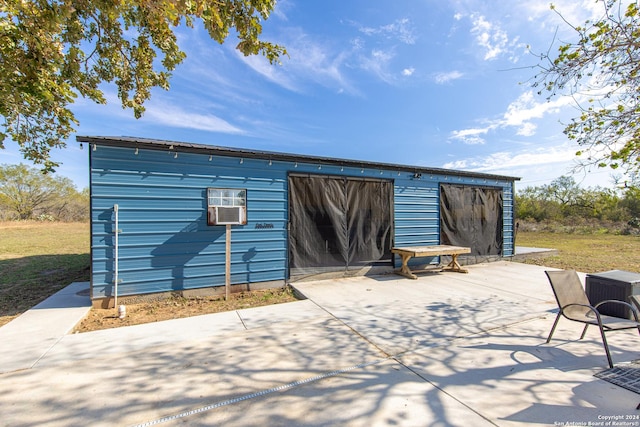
point(115, 256)
point(227, 266)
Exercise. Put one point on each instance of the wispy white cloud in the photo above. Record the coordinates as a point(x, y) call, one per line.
point(526, 108)
point(536, 166)
point(520, 114)
point(573, 11)
point(330, 64)
point(489, 36)
point(273, 73)
point(511, 161)
point(377, 63)
point(495, 32)
point(308, 61)
point(446, 77)
point(281, 9)
point(177, 117)
point(470, 136)
point(401, 30)
point(535, 21)
point(408, 71)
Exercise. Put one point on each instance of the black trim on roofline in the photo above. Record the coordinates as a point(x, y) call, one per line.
point(185, 147)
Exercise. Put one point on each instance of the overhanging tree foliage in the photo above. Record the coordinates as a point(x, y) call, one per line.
point(601, 70)
point(51, 51)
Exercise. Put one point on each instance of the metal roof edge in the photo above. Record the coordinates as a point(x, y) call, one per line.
point(184, 147)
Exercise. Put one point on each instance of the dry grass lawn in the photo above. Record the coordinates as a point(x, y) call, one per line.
point(37, 259)
point(587, 253)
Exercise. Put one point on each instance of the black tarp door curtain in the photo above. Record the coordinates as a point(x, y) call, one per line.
point(341, 223)
point(472, 217)
point(338, 223)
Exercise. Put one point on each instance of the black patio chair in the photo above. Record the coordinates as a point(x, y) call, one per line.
point(574, 305)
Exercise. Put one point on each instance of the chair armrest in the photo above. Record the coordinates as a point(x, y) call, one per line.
point(616, 301)
point(634, 310)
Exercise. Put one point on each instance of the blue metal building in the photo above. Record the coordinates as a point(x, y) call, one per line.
point(159, 209)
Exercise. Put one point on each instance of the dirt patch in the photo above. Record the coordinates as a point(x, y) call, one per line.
point(177, 307)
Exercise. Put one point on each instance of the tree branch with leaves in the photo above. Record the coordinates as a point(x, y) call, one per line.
point(601, 72)
point(52, 51)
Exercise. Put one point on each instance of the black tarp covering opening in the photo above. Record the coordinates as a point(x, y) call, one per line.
point(472, 217)
point(337, 223)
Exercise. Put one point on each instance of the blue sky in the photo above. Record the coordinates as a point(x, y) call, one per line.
point(414, 82)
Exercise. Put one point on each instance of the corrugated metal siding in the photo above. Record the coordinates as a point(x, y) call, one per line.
point(416, 213)
point(508, 206)
point(166, 244)
point(417, 210)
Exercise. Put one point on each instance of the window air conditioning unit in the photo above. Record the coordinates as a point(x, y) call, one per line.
point(227, 215)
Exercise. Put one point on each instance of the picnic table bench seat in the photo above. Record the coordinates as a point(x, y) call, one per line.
point(408, 252)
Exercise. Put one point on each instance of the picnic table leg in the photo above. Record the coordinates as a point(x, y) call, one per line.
point(405, 270)
point(454, 266)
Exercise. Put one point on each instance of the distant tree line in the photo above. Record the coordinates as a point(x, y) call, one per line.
point(28, 194)
point(564, 201)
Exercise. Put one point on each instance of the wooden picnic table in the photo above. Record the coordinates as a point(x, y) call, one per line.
point(408, 252)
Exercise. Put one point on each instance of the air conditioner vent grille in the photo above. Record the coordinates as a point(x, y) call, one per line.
point(227, 215)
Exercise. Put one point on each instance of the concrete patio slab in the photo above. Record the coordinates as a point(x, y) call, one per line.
point(27, 338)
point(384, 394)
point(513, 378)
point(139, 337)
point(137, 386)
point(400, 315)
point(447, 349)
